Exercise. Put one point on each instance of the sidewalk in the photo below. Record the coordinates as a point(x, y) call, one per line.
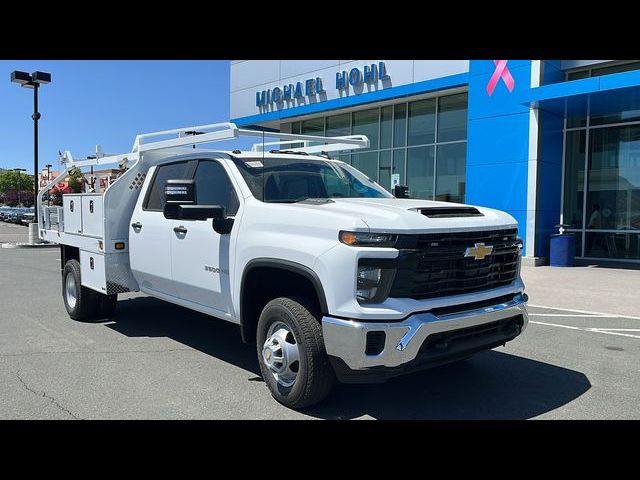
point(592, 288)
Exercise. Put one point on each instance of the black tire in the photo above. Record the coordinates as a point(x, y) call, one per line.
point(315, 375)
point(106, 305)
point(86, 302)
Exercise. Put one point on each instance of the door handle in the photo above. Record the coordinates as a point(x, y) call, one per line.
point(180, 229)
point(136, 225)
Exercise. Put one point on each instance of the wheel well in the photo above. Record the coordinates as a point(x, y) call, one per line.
point(67, 253)
point(262, 284)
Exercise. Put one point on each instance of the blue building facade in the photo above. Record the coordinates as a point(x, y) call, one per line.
point(549, 141)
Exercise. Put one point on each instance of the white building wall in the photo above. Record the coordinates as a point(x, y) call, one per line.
point(251, 76)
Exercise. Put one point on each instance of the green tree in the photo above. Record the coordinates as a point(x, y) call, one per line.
point(76, 179)
point(9, 181)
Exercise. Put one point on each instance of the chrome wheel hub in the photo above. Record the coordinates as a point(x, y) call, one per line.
point(281, 355)
point(70, 291)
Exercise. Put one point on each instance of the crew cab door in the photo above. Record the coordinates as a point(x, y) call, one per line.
point(150, 232)
point(200, 256)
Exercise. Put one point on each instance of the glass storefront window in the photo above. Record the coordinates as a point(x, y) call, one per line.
point(451, 172)
point(613, 190)
point(452, 118)
point(400, 125)
point(384, 168)
point(629, 114)
point(315, 126)
point(399, 164)
point(344, 157)
point(574, 178)
point(386, 126)
point(578, 250)
point(612, 245)
point(366, 122)
point(367, 163)
point(598, 71)
point(578, 75)
point(422, 122)
point(338, 125)
point(625, 67)
point(420, 172)
point(610, 226)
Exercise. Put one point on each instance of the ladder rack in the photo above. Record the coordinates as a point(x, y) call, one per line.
point(216, 132)
point(200, 134)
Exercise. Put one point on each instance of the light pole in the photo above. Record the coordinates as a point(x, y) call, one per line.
point(19, 182)
point(33, 81)
point(48, 166)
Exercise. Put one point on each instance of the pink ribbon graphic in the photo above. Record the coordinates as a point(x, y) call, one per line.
point(503, 72)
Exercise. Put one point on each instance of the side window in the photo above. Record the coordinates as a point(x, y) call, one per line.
point(155, 198)
point(213, 186)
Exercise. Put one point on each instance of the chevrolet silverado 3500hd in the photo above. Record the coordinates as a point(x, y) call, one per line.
point(326, 272)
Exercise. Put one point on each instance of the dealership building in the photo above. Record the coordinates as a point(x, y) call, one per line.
point(549, 141)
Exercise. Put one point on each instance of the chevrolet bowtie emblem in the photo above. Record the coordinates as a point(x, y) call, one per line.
point(479, 251)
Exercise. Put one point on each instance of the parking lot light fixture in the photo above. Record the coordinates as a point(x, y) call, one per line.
point(33, 81)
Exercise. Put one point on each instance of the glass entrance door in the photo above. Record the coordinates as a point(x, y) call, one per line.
point(601, 200)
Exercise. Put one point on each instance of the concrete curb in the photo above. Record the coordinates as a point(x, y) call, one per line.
point(28, 245)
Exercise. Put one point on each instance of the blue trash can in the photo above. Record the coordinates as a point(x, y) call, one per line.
point(562, 250)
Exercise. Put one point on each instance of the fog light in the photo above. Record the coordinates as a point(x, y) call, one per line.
point(373, 282)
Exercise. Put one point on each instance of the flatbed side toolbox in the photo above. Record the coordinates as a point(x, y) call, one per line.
point(92, 219)
point(92, 271)
point(72, 207)
point(107, 273)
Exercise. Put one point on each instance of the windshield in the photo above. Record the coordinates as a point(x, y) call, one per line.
point(289, 180)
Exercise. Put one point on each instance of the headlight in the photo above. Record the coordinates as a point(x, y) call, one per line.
point(362, 239)
point(374, 281)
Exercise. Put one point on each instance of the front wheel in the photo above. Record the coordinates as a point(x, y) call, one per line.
point(291, 353)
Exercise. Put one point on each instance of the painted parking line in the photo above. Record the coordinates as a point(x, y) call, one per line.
point(606, 331)
point(567, 315)
point(587, 312)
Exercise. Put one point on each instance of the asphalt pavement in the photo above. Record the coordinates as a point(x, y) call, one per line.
point(154, 360)
point(13, 232)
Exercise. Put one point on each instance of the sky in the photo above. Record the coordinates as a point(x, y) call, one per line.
point(108, 102)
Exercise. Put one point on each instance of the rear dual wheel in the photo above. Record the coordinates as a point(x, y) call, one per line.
point(82, 303)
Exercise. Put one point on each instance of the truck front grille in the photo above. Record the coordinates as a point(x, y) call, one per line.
point(434, 265)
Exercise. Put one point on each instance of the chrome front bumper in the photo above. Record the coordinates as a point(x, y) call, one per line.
point(346, 339)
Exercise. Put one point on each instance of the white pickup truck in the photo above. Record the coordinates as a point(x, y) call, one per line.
point(326, 272)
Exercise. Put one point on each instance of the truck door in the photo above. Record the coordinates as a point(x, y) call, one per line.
point(200, 256)
point(150, 233)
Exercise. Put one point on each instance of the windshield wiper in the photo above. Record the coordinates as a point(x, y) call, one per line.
point(289, 152)
point(288, 200)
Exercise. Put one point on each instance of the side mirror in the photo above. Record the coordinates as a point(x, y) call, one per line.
point(177, 193)
point(401, 191)
point(181, 204)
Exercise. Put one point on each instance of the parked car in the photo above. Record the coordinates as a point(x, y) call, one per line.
point(4, 213)
point(28, 218)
